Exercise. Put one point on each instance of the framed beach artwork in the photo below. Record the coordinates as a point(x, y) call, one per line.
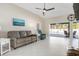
point(18, 22)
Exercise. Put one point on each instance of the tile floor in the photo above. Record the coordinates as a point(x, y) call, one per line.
point(53, 46)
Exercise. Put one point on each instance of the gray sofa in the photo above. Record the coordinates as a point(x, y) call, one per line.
point(20, 38)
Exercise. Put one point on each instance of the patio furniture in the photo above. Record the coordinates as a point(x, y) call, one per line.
point(66, 34)
point(74, 33)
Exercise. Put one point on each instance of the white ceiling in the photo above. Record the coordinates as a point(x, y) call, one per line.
point(60, 8)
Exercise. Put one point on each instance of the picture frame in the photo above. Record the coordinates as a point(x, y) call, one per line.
point(18, 22)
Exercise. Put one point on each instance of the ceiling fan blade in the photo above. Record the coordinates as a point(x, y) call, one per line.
point(39, 8)
point(50, 9)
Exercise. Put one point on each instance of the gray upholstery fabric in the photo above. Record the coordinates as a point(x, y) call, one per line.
point(23, 34)
point(17, 41)
point(14, 34)
point(29, 33)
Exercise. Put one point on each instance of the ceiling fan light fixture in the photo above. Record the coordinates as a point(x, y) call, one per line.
point(44, 11)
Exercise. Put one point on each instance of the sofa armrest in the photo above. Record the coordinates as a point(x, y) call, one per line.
point(13, 39)
point(13, 42)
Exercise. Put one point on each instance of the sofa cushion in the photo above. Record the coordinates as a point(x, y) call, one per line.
point(29, 33)
point(23, 34)
point(13, 34)
point(21, 40)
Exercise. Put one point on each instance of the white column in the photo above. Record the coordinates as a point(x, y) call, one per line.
point(71, 35)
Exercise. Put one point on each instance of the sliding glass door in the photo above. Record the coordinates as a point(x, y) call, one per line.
point(60, 29)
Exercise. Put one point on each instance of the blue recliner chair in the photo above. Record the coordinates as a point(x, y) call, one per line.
point(42, 35)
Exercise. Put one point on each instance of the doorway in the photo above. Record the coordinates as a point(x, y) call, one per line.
point(63, 29)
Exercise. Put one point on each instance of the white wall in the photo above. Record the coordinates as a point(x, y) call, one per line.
point(8, 11)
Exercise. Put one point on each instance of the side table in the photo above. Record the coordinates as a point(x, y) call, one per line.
point(4, 45)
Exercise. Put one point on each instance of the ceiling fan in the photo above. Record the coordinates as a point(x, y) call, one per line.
point(44, 10)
